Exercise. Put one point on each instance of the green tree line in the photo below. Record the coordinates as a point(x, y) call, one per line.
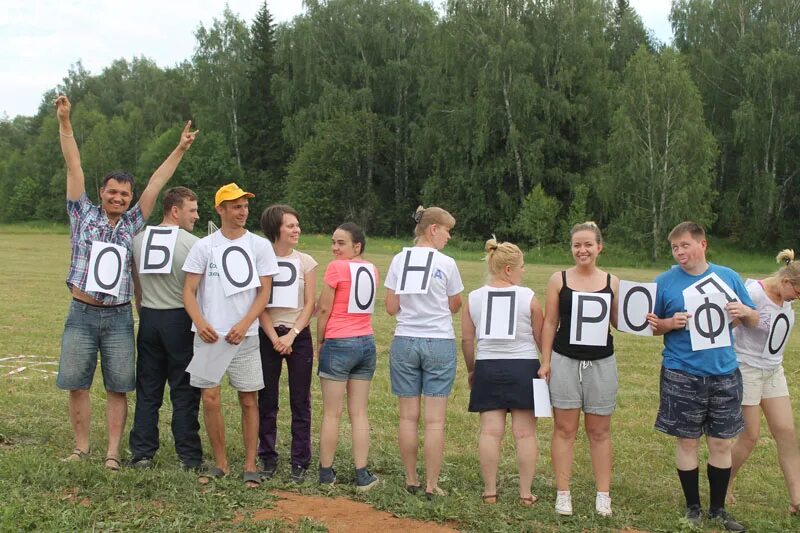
point(521, 117)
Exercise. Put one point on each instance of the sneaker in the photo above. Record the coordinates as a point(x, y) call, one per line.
point(726, 520)
point(564, 503)
point(365, 480)
point(268, 470)
point(298, 474)
point(602, 504)
point(694, 515)
point(141, 463)
point(327, 476)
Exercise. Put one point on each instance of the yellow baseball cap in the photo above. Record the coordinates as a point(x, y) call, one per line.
point(230, 191)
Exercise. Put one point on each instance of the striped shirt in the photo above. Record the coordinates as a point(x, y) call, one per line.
point(89, 223)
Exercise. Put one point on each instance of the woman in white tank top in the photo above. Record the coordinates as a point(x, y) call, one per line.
point(759, 351)
point(507, 321)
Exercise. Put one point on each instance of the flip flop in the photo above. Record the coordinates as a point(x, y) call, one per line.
point(208, 474)
point(252, 477)
point(529, 500)
point(489, 499)
point(76, 455)
point(115, 464)
point(413, 489)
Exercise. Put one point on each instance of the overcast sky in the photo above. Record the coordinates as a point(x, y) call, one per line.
point(41, 39)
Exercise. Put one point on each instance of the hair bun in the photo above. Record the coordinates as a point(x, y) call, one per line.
point(785, 256)
point(491, 245)
point(417, 216)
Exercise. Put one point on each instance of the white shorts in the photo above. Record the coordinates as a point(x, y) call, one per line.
point(244, 372)
point(760, 384)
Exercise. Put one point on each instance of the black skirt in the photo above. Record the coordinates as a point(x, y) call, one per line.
point(503, 384)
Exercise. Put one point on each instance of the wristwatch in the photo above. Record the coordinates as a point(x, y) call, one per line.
point(296, 331)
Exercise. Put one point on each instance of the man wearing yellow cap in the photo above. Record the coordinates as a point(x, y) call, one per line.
point(228, 281)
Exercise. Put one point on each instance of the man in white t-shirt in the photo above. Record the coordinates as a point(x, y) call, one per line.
point(228, 281)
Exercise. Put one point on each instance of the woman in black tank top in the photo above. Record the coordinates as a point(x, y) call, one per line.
point(580, 365)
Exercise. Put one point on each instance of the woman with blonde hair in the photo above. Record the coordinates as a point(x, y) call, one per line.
point(423, 289)
point(759, 351)
point(507, 321)
point(582, 376)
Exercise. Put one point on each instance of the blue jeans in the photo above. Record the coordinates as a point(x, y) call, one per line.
point(422, 366)
point(347, 358)
point(90, 329)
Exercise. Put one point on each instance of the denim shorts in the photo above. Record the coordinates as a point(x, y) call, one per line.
point(422, 366)
point(691, 406)
point(347, 358)
point(90, 329)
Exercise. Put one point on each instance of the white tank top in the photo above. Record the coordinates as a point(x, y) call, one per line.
point(501, 334)
point(751, 343)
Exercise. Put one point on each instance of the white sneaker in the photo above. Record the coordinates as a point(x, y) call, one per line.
point(564, 502)
point(602, 503)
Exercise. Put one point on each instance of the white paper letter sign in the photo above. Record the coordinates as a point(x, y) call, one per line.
point(780, 325)
point(541, 399)
point(498, 315)
point(158, 244)
point(635, 301)
point(237, 268)
point(286, 285)
point(416, 275)
point(708, 324)
point(106, 262)
point(710, 284)
point(362, 288)
point(591, 313)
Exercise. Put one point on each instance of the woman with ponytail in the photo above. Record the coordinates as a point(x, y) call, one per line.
point(423, 289)
point(759, 351)
point(507, 321)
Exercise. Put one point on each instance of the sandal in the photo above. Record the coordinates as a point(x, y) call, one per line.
point(435, 492)
point(207, 474)
point(76, 455)
point(489, 499)
point(252, 479)
point(529, 500)
point(115, 464)
point(413, 489)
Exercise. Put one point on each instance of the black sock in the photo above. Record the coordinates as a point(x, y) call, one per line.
point(690, 483)
point(718, 479)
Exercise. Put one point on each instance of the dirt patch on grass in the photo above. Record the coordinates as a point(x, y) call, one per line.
point(342, 515)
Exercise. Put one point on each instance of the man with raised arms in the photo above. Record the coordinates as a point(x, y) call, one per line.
point(228, 281)
point(701, 386)
point(164, 341)
point(100, 317)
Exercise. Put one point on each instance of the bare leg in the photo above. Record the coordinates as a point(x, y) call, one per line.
point(562, 449)
point(408, 437)
point(80, 409)
point(249, 404)
point(778, 412)
point(598, 429)
point(719, 452)
point(523, 426)
point(435, 410)
point(215, 426)
point(332, 395)
point(686, 453)
point(357, 400)
point(745, 443)
point(116, 413)
point(493, 425)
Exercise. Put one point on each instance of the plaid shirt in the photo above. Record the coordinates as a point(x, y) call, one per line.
point(89, 223)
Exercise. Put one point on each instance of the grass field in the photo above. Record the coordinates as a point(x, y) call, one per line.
point(38, 492)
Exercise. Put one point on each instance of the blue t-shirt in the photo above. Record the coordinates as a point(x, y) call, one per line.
point(678, 353)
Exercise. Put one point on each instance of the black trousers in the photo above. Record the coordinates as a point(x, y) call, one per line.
point(164, 346)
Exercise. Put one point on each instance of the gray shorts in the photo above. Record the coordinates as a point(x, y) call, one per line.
point(588, 385)
point(244, 372)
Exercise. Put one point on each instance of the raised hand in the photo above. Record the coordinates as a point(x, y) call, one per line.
point(187, 136)
point(63, 107)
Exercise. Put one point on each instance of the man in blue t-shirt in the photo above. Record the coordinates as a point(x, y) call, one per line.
point(701, 390)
